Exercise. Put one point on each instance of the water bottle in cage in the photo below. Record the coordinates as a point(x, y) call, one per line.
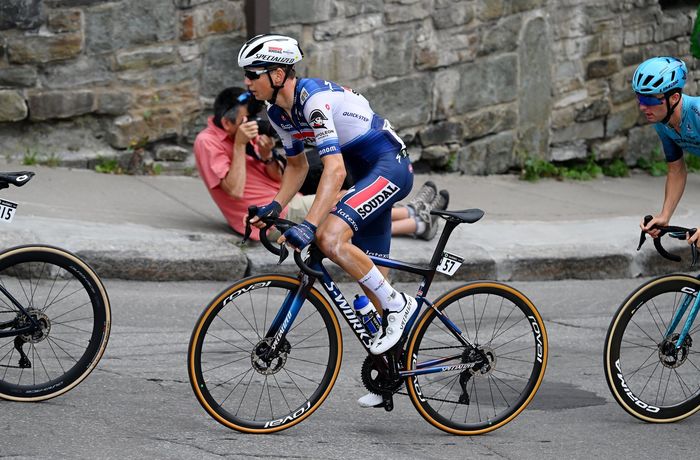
point(367, 313)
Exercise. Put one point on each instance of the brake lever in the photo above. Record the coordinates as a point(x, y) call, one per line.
point(252, 212)
point(284, 253)
point(643, 235)
point(693, 248)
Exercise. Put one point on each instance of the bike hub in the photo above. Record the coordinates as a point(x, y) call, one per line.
point(483, 358)
point(671, 356)
point(44, 326)
point(266, 361)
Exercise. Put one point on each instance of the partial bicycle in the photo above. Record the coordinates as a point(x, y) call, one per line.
point(266, 351)
point(651, 367)
point(54, 315)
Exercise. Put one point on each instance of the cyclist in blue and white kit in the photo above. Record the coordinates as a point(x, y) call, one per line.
point(341, 124)
point(658, 83)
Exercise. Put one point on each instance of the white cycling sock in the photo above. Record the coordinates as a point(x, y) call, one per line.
point(388, 297)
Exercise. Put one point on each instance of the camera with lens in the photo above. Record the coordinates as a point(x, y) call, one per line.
point(264, 127)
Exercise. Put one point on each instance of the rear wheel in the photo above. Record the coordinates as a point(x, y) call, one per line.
point(65, 296)
point(237, 383)
point(649, 376)
point(482, 388)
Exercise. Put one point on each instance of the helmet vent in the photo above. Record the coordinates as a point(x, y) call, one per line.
point(647, 79)
point(255, 50)
point(658, 82)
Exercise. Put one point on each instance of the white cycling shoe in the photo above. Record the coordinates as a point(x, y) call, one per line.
point(392, 326)
point(371, 400)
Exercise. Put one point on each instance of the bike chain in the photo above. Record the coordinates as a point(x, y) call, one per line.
point(405, 393)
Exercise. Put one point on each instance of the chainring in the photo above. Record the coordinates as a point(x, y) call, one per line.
point(375, 382)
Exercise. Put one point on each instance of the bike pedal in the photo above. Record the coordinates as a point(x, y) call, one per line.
point(388, 403)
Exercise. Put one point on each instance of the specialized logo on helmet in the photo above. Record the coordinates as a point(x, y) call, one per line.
point(317, 118)
point(368, 200)
point(277, 59)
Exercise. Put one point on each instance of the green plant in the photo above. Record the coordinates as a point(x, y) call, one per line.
point(30, 158)
point(692, 163)
point(695, 37)
point(51, 161)
point(533, 169)
point(654, 165)
point(154, 169)
point(108, 166)
point(616, 168)
point(584, 171)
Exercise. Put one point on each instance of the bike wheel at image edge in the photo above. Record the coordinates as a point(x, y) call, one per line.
point(503, 326)
point(70, 303)
point(647, 374)
point(237, 382)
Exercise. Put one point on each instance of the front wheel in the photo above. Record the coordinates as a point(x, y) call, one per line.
point(67, 299)
point(477, 389)
point(649, 376)
point(232, 372)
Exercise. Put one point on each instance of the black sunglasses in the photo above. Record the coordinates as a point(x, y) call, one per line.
point(255, 74)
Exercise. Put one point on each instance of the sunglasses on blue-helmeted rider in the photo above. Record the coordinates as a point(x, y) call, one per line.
point(649, 100)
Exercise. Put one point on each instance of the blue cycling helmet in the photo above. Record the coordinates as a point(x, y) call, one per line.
point(659, 75)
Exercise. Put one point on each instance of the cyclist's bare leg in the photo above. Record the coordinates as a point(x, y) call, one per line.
point(334, 239)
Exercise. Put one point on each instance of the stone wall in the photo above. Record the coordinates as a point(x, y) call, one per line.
point(471, 85)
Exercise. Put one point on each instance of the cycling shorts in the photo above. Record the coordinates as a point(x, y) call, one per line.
point(366, 207)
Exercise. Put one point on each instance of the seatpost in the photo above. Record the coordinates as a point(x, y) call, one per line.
point(450, 225)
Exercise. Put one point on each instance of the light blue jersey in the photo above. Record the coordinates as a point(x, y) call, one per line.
point(688, 139)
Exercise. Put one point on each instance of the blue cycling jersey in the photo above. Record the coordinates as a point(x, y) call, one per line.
point(674, 143)
point(338, 120)
point(335, 119)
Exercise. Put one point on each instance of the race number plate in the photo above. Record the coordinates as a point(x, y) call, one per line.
point(449, 263)
point(7, 211)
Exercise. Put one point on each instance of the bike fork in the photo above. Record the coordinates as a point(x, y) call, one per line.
point(679, 315)
point(287, 313)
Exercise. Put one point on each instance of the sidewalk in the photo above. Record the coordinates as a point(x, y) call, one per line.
point(167, 228)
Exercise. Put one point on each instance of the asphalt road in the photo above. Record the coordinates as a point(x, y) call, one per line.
point(138, 403)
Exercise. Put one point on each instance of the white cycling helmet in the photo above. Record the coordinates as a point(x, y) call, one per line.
point(268, 49)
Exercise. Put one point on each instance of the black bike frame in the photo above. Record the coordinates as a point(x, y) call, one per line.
point(292, 304)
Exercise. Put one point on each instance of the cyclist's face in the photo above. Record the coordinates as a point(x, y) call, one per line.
point(260, 87)
point(656, 111)
point(653, 107)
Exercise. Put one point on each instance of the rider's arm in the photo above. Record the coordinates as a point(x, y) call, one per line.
point(675, 181)
point(292, 179)
point(318, 110)
point(675, 185)
point(328, 187)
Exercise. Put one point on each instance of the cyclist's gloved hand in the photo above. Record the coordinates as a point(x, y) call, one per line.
point(301, 235)
point(273, 209)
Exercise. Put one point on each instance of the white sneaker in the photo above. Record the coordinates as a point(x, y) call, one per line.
point(395, 324)
point(370, 400)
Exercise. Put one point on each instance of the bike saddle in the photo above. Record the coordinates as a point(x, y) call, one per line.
point(15, 178)
point(468, 216)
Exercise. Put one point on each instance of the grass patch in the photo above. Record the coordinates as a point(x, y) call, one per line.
point(108, 166)
point(616, 168)
point(655, 165)
point(30, 158)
